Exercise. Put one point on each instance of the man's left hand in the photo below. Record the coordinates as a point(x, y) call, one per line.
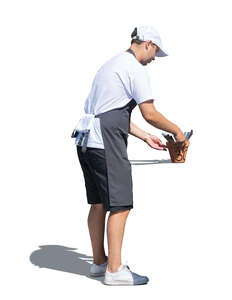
point(155, 143)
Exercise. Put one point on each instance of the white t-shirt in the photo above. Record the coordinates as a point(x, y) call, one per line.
point(119, 80)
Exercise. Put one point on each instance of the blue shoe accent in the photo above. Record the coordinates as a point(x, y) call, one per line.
point(138, 279)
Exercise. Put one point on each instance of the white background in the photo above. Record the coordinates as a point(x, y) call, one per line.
point(179, 232)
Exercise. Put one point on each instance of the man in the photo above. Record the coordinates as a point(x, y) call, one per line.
point(101, 139)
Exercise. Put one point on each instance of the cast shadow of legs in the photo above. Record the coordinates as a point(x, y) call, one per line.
point(64, 259)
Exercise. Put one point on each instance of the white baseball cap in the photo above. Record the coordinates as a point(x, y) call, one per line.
point(147, 33)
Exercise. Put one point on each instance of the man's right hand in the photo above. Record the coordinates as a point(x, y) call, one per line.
point(181, 139)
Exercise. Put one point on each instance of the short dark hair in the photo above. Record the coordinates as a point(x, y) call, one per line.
point(136, 41)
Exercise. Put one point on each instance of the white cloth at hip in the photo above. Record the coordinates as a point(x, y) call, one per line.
point(88, 123)
point(85, 122)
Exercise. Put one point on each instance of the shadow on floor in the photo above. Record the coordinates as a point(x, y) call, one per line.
point(64, 259)
point(149, 162)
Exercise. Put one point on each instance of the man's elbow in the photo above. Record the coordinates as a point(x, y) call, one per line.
point(151, 117)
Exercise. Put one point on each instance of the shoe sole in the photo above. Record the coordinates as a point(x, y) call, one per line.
point(122, 283)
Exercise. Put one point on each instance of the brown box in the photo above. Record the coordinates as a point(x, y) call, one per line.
point(177, 153)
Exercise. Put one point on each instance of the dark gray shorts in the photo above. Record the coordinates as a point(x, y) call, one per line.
point(93, 164)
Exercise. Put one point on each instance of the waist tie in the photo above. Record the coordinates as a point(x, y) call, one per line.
point(82, 129)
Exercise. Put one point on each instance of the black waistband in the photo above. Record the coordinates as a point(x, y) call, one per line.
point(131, 103)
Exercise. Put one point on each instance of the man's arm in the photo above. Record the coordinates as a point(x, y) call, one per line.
point(138, 132)
point(156, 119)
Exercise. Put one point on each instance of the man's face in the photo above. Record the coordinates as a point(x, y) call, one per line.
point(150, 50)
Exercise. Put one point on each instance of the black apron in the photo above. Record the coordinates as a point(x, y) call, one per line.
point(115, 126)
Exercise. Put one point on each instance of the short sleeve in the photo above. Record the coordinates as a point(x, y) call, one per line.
point(141, 86)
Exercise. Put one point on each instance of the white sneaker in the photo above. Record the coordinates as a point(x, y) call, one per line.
point(124, 276)
point(98, 270)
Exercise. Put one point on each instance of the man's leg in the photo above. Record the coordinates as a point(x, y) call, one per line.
point(96, 224)
point(115, 231)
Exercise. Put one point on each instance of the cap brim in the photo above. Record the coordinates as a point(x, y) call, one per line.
point(161, 53)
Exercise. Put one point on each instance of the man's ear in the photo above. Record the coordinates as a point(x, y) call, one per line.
point(148, 43)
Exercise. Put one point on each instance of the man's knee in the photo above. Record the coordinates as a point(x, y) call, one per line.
point(97, 206)
point(120, 212)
